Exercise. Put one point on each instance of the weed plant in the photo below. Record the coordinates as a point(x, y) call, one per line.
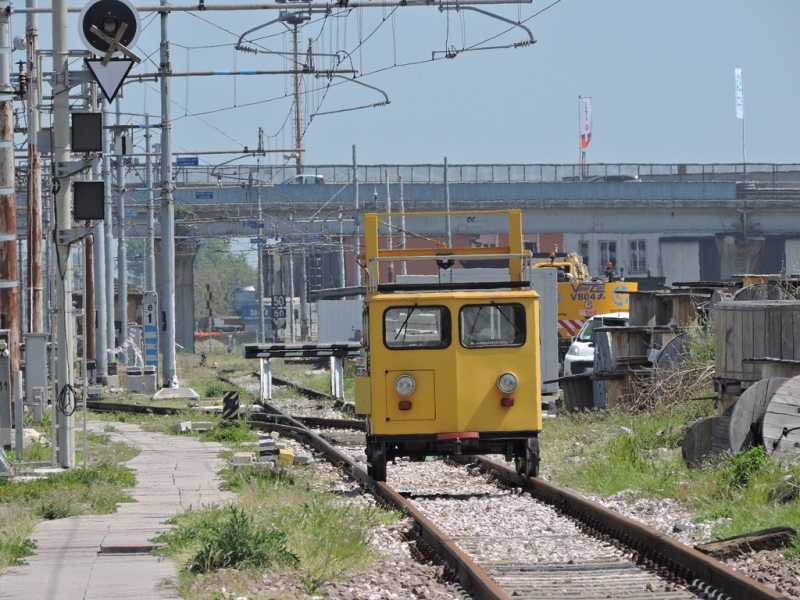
point(93, 490)
point(281, 522)
point(227, 432)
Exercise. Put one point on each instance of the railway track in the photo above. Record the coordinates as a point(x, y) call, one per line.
point(614, 557)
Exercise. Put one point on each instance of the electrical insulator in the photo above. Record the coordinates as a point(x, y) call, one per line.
point(23, 83)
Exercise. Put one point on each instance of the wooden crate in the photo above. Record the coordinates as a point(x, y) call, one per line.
point(577, 392)
point(754, 330)
point(661, 309)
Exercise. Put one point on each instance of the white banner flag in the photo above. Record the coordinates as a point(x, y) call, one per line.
point(586, 121)
point(739, 94)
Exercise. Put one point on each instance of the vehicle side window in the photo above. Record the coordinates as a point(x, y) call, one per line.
point(586, 334)
point(295, 181)
point(416, 327)
point(492, 325)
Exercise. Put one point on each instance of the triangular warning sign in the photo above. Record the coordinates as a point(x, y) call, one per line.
point(110, 77)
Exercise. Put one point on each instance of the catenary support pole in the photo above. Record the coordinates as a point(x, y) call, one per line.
point(89, 283)
point(304, 296)
point(150, 242)
point(62, 263)
point(99, 247)
point(167, 213)
point(356, 268)
point(100, 303)
point(389, 223)
point(9, 294)
point(34, 175)
point(122, 251)
point(108, 236)
point(403, 267)
point(298, 115)
point(260, 290)
point(342, 268)
point(447, 205)
point(291, 296)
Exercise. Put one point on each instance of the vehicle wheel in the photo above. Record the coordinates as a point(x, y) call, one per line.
point(376, 467)
point(532, 458)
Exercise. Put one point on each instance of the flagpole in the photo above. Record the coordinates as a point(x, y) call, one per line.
point(581, 151)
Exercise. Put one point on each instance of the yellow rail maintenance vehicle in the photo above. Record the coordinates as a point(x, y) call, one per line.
point(450, 368)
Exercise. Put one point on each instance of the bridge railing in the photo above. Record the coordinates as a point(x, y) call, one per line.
point(242, 175)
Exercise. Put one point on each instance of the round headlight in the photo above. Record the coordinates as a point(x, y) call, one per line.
point(404, 385)
point(507, 382)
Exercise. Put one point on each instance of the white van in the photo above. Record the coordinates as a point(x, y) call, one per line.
point(580, 356)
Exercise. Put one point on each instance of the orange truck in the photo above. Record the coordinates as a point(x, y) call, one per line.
point(580, 298)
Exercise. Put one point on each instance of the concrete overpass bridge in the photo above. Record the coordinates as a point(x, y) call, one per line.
point(682, 222)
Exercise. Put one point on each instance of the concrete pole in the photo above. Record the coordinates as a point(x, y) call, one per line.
point(65, 346)
point(298, 121)
point(304, 298)
point(122, 251)
point(403, 267)
point(342, 271)
point(99, 248)
point(389, 223)
point(22, 285)
point(167, 213)
point(101, 374)
point(89, 322)
point(34, 175)
point(9, 296)
point(447, 205)
point(260, 290)
point(291, 296)
point(150, 243)
point(356, 268)
point(108, 234)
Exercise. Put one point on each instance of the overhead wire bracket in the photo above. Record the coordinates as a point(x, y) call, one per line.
point(452, 52)
point(352, 80)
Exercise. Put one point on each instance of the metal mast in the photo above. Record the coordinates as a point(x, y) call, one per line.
point(167, 212)
point(62, 203)
point(34, 175)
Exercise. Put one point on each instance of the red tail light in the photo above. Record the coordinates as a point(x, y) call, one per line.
point(507, 402)
point(406, 405)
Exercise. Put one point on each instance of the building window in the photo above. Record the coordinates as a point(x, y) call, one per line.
point(532, 246)
point(583, 250)
point(608, 254)
point(638, 257)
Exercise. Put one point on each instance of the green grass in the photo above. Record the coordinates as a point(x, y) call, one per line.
point(281, 522)
point(94, 490)
point(746, 492)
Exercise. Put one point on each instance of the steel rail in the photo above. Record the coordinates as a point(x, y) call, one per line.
point(471, 575)
point(707, 576)
point(140, 409)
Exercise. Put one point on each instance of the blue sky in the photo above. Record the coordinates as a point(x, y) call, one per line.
point(660, 73)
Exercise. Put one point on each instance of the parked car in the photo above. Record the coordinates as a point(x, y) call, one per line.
point(580, 356)
point(304, 180)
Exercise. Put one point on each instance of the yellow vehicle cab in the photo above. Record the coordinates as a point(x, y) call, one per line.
point(450, 368)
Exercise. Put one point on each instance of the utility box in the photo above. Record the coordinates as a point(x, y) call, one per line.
point(150, 385)
point(5, 388)
point(134, 381)
point(36, 387)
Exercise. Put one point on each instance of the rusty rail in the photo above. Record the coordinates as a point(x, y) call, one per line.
point(707, 577)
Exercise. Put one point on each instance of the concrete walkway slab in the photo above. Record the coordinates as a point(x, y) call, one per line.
point(173, 473)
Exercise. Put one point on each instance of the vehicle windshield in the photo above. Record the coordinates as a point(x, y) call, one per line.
point(586, 334)
point(406, 327)
point(493, 325)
